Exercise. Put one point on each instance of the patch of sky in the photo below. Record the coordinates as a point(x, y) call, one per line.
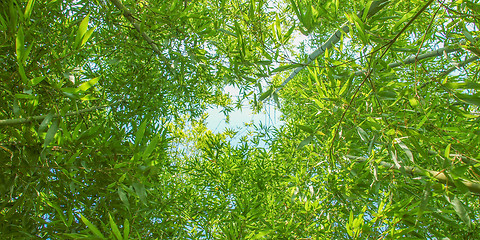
point(243, 119)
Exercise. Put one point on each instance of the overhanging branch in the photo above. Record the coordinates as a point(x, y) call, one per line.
point(128, 15)
point(335, 38)
point(414, 59)
point(7, 122)
point(439, 176)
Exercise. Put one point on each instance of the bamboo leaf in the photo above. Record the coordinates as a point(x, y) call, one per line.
point(87, 36)
point(404, 18)
point(470, 99)
point(306, 128)
point(141, 192)
point(153, 144)
point(82, 29)
point(123, 197)
point(126, 229)
point(266, 94)
point(28, 9)
point(45, 122)
point(114, 227)
point(140, 132)
point(51, 133)
point(461, 211)
point(36, 81)
point(20, 45)
point(86, 85)
point(91, 227)
point(306, 141)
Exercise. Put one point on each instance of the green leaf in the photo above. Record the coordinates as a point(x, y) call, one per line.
point(114, 227)
point(140, 190)
point(45, 122)
point(261, 234)
point(463, 85)
point(460, 171)
point(59, 211)
point(123, 197)
point(91, 227)
point(306, 128)
point(126, 229)
point(461, 211)
point(153, 144)
point(21, 71)
point(447, 150)
point(24, 96)
point(86, 85)
point(363, 135)
point(468, 35)
point(470, 99)
point(82, 29)
point(266, 94)
point(404, 18)
point(51, 133)
point(36, 81)
point(28, 9)
point(305, 141)
point(87, 36)
point(88, 97)
point(20, 45)
point(140, 132)
point(287, 35)
point(228, 32)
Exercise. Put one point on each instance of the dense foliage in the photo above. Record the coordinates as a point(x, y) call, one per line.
point(103, 134)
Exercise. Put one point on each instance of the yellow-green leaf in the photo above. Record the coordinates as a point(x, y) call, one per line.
point(36, 81)
point(87, 36)
point(114, 227)
point(20, 44)
point(86, 85)
point(28, 9)
point(82, 29)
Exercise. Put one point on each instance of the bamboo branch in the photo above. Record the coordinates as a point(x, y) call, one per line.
point(335, 38)
point(413, 59)
point(439, 176)
point(128, 15)
point(41, 117)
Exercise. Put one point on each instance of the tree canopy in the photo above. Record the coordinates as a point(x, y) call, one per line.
point(103, 109)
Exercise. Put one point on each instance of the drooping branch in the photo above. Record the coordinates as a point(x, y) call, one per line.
point(128, 15)
point(413, 59)
point(439, 176)
point(6, 122)
point(335, 38)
